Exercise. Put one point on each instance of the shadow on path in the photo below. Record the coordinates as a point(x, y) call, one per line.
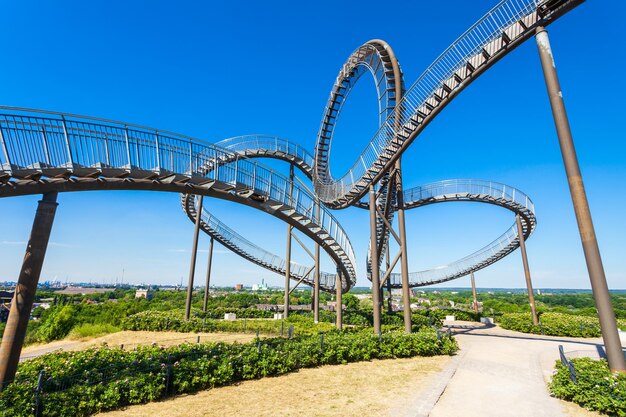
point(476, 331)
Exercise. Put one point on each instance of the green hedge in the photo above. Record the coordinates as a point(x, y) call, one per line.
point(249, 313)
point(597, 388)
point(458, 314)
point(86, 382)
point(174, 321)
point(554, 324)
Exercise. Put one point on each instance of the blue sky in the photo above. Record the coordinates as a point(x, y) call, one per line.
point(220, 69)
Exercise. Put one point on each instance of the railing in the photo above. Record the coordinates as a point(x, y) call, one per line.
point(568, 364)
point(468, 45)
point(465, 190)
point(414, 196)
point(49, 143)
point(256, 254)
point(266, 143)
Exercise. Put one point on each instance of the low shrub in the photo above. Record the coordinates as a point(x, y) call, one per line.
point(596, 389)
point(554, 324)
point(86, 382)
point(247, 313)
point(174, 321)
point(91, 330)
point(458, 314)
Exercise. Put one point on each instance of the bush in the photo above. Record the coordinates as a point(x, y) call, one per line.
point(92, 330)
point(58, 324)
point(554, 324)
point(86, 382)
point(458, 314)
point(248, 313)
point(174, 321)
point(597, 388)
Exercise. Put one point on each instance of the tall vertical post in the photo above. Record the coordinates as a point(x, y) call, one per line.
point(288, 254)
point(194, 252)
point(316, 278)
point(595, 268)
point(529, 283)
point(338, 301)
point(208, 278)
point(475, 303)
point(374, 262)
point(404, 262)
point(389, 296)
point(22, 303)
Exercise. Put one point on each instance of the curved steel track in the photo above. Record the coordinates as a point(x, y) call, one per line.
point(46, 151)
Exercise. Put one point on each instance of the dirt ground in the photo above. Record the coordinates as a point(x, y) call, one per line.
point(377, 388)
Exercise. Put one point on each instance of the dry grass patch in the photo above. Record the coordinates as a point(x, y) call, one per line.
point(377, 388)
point(132, 339)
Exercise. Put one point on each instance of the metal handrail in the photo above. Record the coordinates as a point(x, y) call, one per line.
point(470, 190)
point(387, 141)
point(254, 253)
point(52, 144)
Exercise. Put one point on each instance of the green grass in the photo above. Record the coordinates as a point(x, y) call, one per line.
point(92, 330)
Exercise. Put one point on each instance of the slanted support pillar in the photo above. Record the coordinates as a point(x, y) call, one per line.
point(208, 277)
point(593, 258)
point(529, 283)
point(22, 303)
point(404, 262)
point(288, 254)
point(475, 303)
point(338, 301)
point(194, 252)
point(374, 262)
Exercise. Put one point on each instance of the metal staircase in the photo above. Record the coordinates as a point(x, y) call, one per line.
point(249, 251)
point(465, 190)
point(45, 151)
point(503, 28)
point(473, 191)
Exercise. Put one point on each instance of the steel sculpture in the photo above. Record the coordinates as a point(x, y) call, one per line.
point(46, 152)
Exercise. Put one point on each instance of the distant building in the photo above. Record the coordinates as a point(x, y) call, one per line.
point(70, 290)
point(144, 293)
point(238, 287)
point(260, 287)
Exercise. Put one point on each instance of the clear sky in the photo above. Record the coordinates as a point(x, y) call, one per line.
point(225, 68)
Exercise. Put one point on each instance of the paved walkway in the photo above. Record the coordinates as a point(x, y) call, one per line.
point(501, 373)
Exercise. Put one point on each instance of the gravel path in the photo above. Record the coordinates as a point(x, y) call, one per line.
point(503, 373)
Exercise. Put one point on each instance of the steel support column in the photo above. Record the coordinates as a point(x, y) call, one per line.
point(475, 304)
point(595, 268)
point(22, 303)
point(529, 283)
point(288, 250)
point(389, 296)
point(374, 262)
point(192, 266)
point(338, 301)
point(404, 264)
point(316, 277)
point(208, 277)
